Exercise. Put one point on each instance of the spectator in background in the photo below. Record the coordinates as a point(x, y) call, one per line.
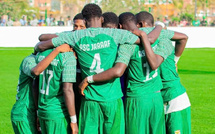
point(16, 23)
point(34, 22)
point(53, 23)
point(23, 21)
point(166, 21)
point(49, 20)
point(41, 21)
point(213, 23)
point(183, 23)
point(69, 21)
point(29, 22)
point(3, 21)
point(196, 22)
point(204, 22)
point(60, 22)
point(9, 22)
point(158, 20)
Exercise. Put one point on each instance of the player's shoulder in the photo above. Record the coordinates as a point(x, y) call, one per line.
point(68, 56)
point(29, 58)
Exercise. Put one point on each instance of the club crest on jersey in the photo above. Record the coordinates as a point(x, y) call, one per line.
point(177, 132)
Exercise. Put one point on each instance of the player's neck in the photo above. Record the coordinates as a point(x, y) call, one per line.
point(94, 22)
point(131, 26)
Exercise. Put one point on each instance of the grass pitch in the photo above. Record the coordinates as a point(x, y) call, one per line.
point(196, 70)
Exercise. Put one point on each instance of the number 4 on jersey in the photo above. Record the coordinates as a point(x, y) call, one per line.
point(96, 64)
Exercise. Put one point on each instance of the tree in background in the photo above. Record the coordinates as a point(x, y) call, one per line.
point(17, 8)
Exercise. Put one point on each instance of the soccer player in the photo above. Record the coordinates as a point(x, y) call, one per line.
point(56, 107)
point(78, 22)
point(23, 114)
point(143, 106)
point(176, 101)
point(102, 107)
point(110, 20)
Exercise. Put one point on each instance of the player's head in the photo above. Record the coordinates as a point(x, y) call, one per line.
point(110, 20)
point(78, 22)
point(92, 14)
point(144, 19)
point(127, 20)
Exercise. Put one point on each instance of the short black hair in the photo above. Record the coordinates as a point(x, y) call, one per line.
point(145, 16)
point(91, 10)
point(126, 17)
point(78, 16)
point(110, 18)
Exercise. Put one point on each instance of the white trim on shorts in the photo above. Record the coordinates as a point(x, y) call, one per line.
point(179, 103)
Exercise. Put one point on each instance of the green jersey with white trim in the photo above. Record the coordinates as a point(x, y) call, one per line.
point(51, 104)
point(24, 108)
point(97, 49)
point(142, 80)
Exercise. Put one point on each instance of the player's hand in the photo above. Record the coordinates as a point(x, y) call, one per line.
point(138, 32)
point(74, 128)
point(82, 86)
point(63, 48)
point(38, 126)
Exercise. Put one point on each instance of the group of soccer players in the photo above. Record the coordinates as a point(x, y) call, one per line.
point(143, 56)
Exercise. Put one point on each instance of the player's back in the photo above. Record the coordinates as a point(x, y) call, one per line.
point(51, 100)
point(142, 80)
point(97, 49)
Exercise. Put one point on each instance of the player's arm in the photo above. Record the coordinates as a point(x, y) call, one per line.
point(69, 77)
point(35, 91)
point(180, 43)
point(41, 66)
point(115, 72)
point(154, 34)
point(153, 59)
point(70, 103)
point(45, 37)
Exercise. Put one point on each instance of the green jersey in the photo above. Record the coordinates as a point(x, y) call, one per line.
point(165, 35)
point(51, 103)
point(24, 108)
point(171, 82)
point(142, 80)
point(97, 49)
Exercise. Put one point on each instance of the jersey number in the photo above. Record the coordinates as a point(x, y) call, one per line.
point(146, 65)
point(46, 90)
point(96, 64)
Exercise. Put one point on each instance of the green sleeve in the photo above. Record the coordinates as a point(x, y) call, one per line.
point(69, 67)
point(166, 34)
point(124, 37)
point(64, 38)
point(124, 53)
point(28, 64)
point(164, 48)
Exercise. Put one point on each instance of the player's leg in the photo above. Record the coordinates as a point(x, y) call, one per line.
point(157, 118)
point(22, 127)
point(135, 121)
point(178, 115)
point(113, 114)
point(145, 115)
point(57, 126)
point(89, 117)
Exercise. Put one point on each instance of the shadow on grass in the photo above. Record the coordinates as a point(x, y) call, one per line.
point(181, 71)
